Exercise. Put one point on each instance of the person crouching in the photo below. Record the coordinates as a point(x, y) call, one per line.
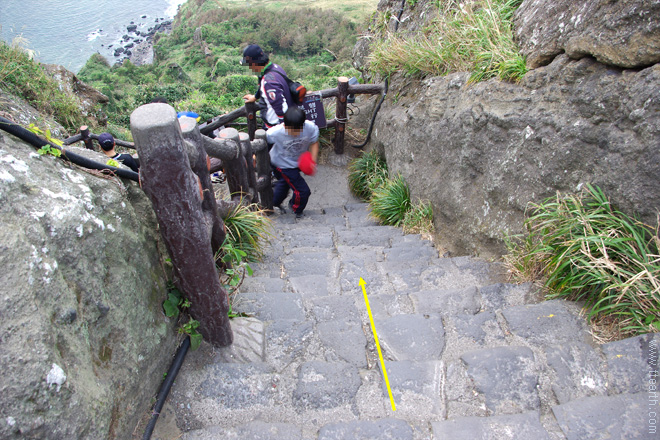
point(290, 140)
point(107, 143)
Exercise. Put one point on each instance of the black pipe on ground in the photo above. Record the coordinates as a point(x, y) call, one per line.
point(27, 136)
point(166, 386)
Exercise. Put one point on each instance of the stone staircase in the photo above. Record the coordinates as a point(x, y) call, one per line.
point(467, 356)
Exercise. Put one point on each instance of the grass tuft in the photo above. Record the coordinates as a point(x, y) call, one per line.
point(474, 37)
point(391, 201)
point(366, 173)
point(586, 250)
point(419, 220)
point(248, 229)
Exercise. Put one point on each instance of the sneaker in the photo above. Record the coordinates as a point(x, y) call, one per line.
point(282, 210)
point(300, 215)
point(218, 178)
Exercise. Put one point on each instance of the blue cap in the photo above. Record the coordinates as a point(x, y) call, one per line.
point(254, 54)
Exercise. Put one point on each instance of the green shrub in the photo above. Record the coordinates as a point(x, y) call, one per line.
point(313, 45)
point(366, 173)
point(466, 36)
point(584, 249)
point(391, 201)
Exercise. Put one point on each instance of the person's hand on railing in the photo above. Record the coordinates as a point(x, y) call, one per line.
point(249, 98)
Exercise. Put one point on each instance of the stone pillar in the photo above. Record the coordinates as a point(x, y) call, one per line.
point(260, 148)
point(235, 168)
point(246, 149)
point(202, 167)
point(176, 194)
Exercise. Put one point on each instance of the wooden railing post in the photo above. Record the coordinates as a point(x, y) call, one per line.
point(84, 134)
point(340, 126)
point(251, 111)
point(260, 148)
point(176, 194)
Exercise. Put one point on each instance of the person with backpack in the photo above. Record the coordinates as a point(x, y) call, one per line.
point(273, 94)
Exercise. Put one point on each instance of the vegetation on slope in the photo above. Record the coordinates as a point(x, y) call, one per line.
point(203, 74)
point(21, 75)
point(466, 36)
point(355, 10)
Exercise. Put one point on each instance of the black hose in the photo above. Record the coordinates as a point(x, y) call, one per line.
point(166, 386)
point(27, 136)
point(386, 86)
point(373, 117)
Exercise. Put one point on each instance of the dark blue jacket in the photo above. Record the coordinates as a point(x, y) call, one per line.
point(273, 95)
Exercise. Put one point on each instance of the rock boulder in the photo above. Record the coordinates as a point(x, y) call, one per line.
point(481, 152)
point(84, 340)
point(618, 33)
point(88, 97)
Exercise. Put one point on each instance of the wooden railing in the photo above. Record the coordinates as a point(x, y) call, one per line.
point(244, 156)
point(341, 92)
point(86, 137)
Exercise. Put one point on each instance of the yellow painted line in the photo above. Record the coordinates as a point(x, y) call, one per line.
point(380, 354)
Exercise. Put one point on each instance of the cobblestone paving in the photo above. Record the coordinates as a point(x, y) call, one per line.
point(467, 355)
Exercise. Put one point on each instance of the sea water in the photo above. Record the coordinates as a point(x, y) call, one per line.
point(69, 32)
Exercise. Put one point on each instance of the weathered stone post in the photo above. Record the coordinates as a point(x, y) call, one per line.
point(251, 112)
point(84, 134)
point(224, 153)
point(202, 168)
point(260, 148)
point(235, 168)
point(246, 149)
point(176, 194)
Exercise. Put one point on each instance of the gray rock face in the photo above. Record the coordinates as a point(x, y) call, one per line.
point(617, 33)
point(88, 97)
point(84, 340)
point(481, 152)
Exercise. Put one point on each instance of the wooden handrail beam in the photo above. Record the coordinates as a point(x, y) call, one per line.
point(208, 127)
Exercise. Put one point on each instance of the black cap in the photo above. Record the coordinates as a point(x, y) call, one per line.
point(106, 141)
point(254, 54)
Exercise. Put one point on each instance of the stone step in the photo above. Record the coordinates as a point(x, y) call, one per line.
point(254, 430)
point(525, 425)
point(270, 306)
point(467, 355)
point(368, 235)
point(357, 215)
